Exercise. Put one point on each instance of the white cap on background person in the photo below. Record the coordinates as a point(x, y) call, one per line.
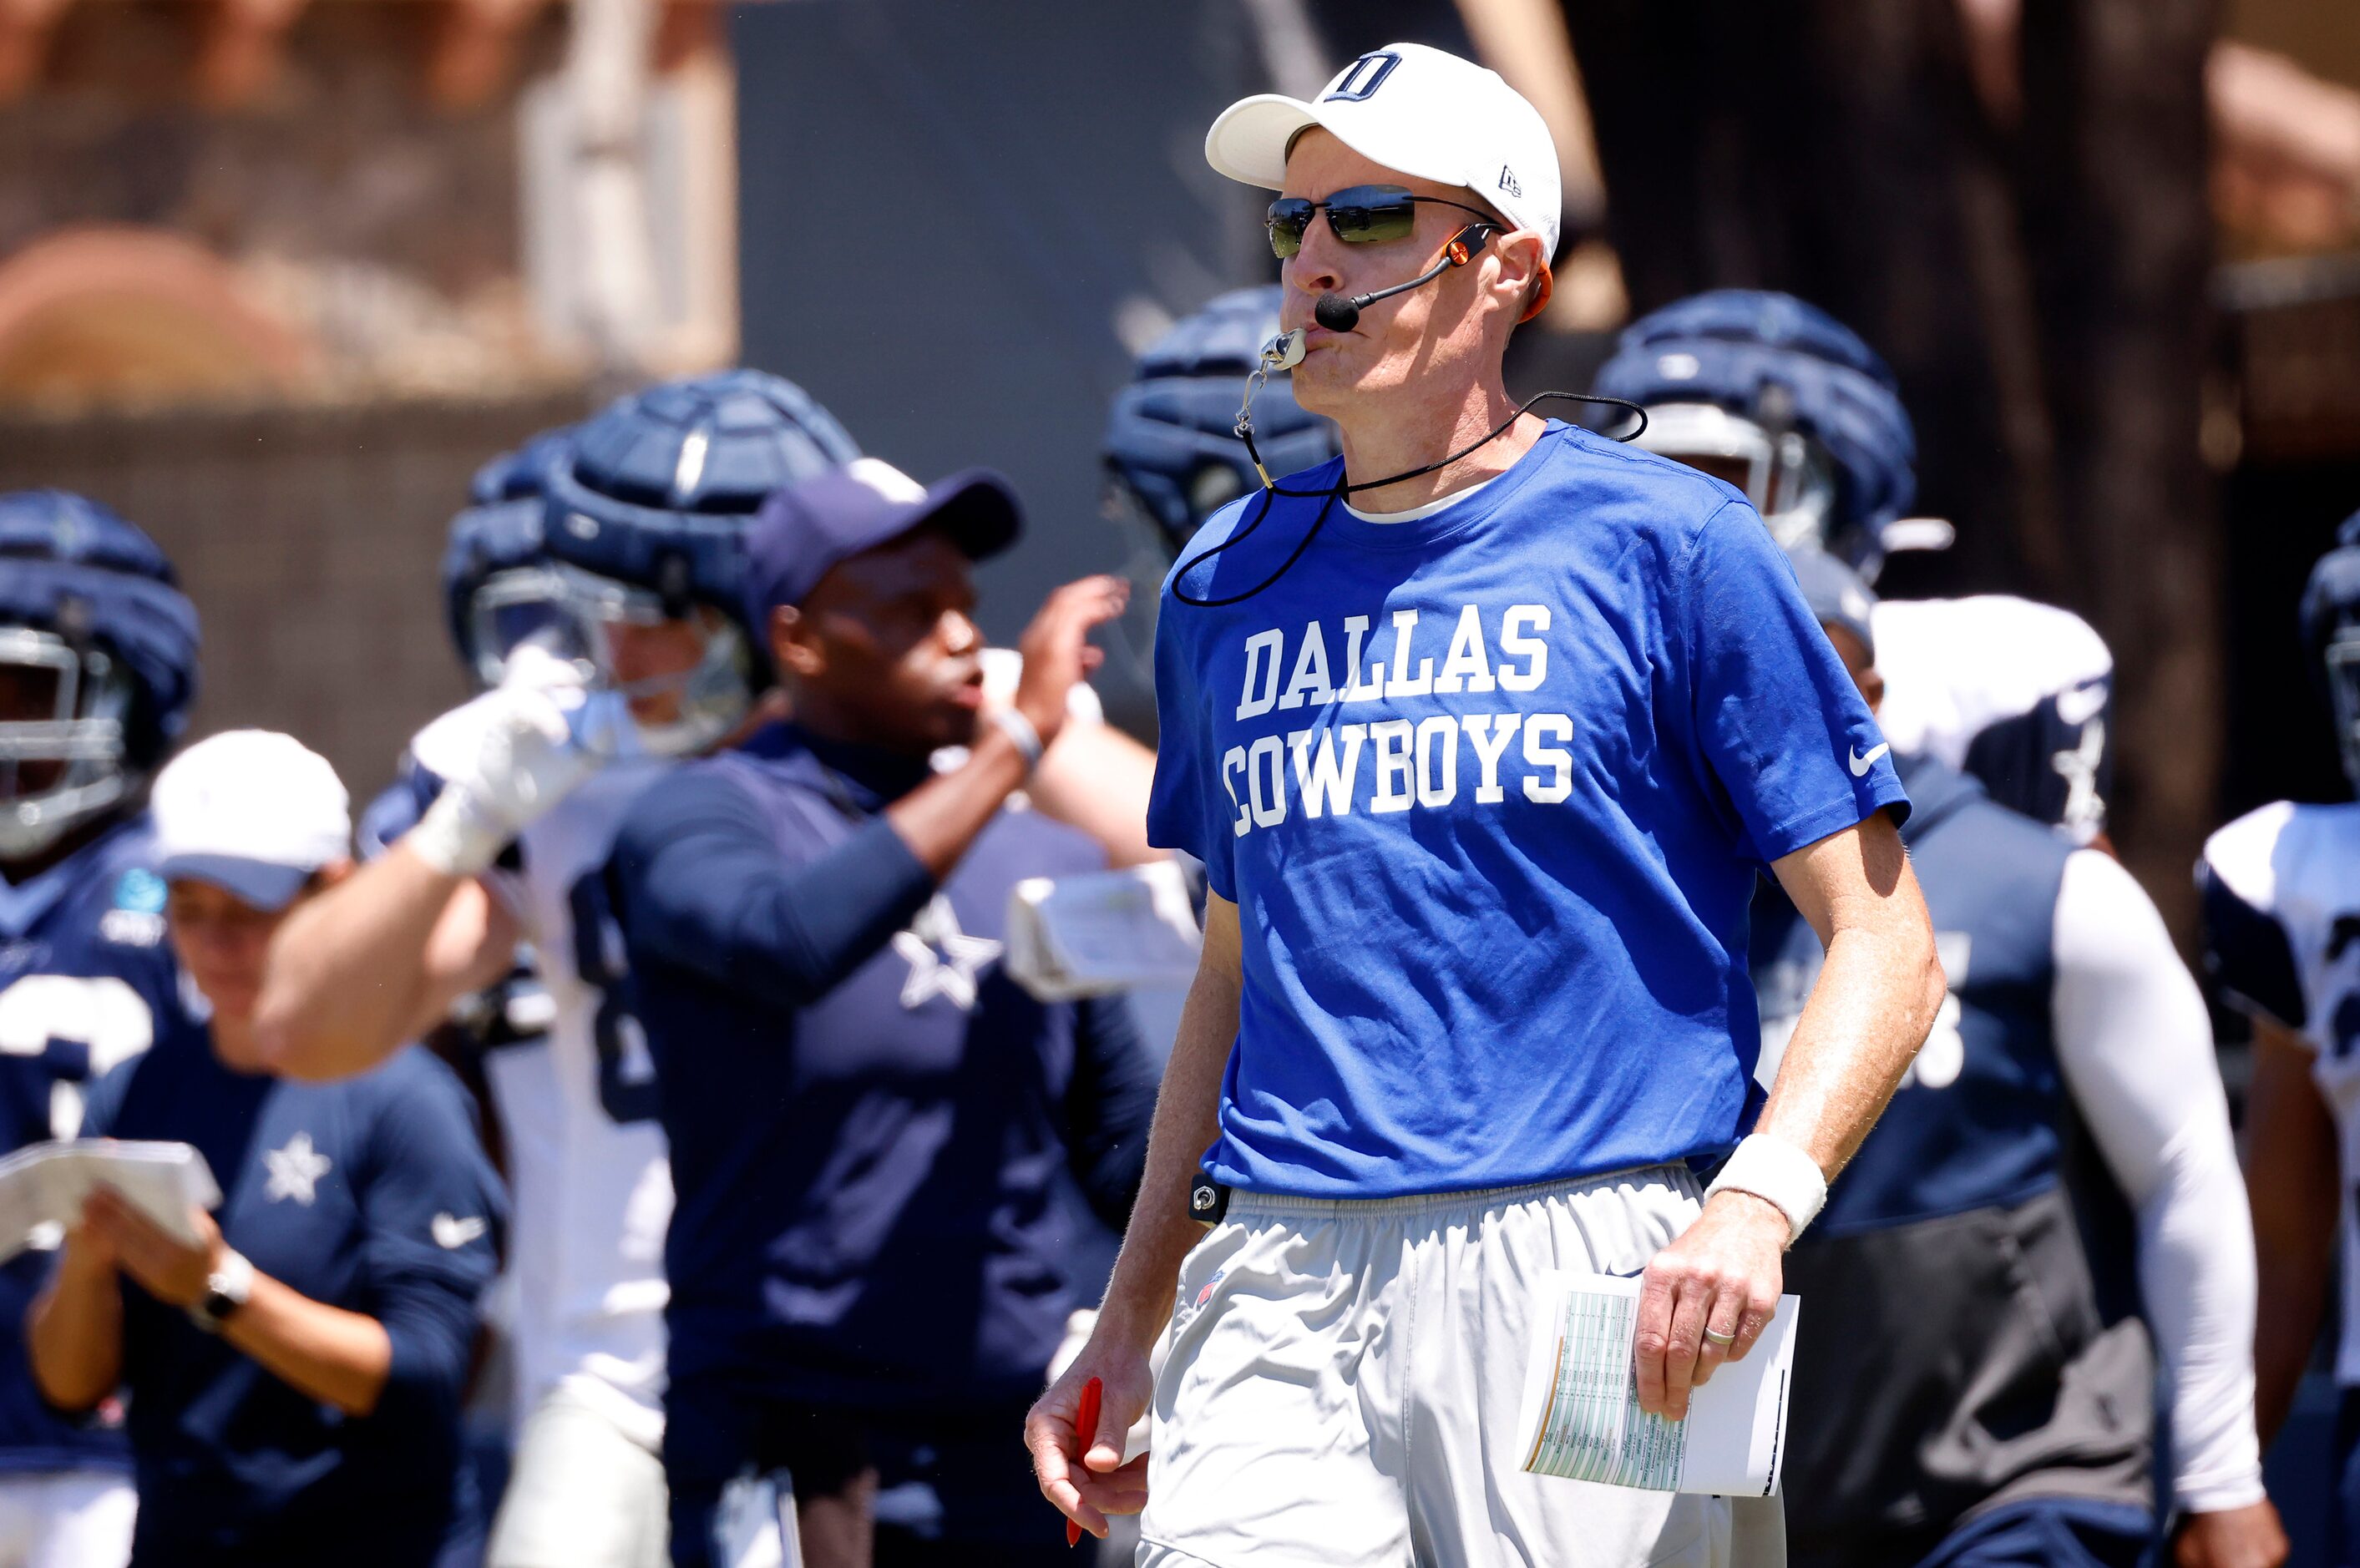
point(1427, 114)
point(251, 811)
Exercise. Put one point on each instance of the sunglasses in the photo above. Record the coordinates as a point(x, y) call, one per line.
point(1360, 214)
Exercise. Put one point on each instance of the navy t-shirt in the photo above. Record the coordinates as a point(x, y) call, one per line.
point(1491, 789)
point(86, 982)
point(867, 1117)
point(370, 1193)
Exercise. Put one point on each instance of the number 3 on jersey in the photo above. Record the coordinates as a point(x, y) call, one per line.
point(72, 1029)
point(627, 1072)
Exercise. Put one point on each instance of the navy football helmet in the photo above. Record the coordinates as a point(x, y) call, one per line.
point(498, 587)
point(98, 665)
point(646, 512)
point(2331, 633)
point(1172, 448)
point(1784, 402)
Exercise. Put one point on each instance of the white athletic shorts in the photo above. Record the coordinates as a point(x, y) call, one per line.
point(1340, 1381)
point(583, 1493)
point(67, 1519)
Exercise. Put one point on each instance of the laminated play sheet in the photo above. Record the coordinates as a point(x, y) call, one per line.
point(1102, 932)
point(42, 1188)
point(1580, 1417)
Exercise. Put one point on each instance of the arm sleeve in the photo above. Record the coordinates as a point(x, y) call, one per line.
point(433, 1217)
point(1776, 716)
point(701, 888)
point(1109, 1106)
point(2137, 1051)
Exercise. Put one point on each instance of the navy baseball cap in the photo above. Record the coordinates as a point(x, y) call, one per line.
point(806, 527)
point(1837, 594)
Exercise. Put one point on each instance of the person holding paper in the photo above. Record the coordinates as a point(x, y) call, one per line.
point(294, 1376)
point(1484, 732)
point(1972, 1385)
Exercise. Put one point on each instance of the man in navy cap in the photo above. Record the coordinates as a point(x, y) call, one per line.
point(866, 1115)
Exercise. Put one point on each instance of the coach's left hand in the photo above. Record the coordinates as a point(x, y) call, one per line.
point(1723, 1273)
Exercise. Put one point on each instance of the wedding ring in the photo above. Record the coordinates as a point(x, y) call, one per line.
point(1722, 1340)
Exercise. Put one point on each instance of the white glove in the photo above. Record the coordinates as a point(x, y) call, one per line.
point(505, 758)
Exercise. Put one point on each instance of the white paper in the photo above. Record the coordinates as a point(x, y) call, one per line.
point(1580, 1416)
point(42, 1188)
point(1102, 932)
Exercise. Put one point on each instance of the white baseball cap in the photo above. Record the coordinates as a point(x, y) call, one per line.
point(1421, 110)
point(251, 811)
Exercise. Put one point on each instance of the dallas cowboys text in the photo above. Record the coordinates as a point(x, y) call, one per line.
point(1318, 769)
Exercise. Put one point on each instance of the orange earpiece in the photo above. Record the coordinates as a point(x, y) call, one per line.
point(1540, 297)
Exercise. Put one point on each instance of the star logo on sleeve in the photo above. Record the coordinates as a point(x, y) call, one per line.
point(943, 960)
point(295, 1170)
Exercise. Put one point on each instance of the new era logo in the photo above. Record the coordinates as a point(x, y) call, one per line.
point(1508, 182)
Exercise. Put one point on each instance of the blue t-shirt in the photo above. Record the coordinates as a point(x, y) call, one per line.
point(1491, 789)
point(371, 1193)
point(87, 981)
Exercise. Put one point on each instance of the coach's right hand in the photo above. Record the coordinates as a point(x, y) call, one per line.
point(1084, 1473)
point(1056, 649)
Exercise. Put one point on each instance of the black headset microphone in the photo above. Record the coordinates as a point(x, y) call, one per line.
point(1342, 313)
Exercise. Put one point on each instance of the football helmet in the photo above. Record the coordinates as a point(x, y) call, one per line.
point(646, 516)
point(1783, 401)
point(498, 585)
point(2330, 634)
point(98, 665)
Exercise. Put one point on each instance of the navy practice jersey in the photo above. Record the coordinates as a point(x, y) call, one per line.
point(867, 1117)
point(1950, 1242)
point(2281, 887)
point(87, 981)
point(370, 1193)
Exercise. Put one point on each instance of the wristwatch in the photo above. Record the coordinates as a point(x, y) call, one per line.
point(226, 1288)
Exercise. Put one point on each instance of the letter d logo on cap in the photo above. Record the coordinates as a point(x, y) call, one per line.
point(1363, 77)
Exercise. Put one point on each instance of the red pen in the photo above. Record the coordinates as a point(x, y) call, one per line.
point(1086, 1423)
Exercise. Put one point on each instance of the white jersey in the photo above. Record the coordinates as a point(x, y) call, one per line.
point(586, 1155)
point(2013, 692)
point(2282, 932)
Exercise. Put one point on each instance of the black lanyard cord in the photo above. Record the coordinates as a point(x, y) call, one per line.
point(1337, 491)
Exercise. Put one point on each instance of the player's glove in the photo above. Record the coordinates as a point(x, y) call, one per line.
point(507, 758)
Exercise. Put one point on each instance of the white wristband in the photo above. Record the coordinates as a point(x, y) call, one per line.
point(1780, 1175)
point(1019, 728)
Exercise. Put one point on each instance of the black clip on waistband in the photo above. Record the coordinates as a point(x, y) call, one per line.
point(1208, 1200)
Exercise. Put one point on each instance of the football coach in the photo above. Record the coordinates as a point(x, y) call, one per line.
point(1482, 731)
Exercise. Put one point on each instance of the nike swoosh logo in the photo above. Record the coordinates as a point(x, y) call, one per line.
point(1860, 765)
point(451, 1232)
